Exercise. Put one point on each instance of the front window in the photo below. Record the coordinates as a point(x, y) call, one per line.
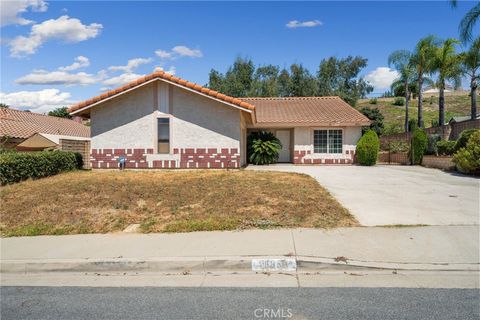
point(163, 135)
point(327, 141)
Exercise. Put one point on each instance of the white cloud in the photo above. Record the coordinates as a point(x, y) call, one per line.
point(121, 79)
point(132, 64)
point(64, 28)
point(10, 11)
point(163, 54)
point(37, 101)
point(172, 70)
point(382, 77)
point(179, 51)
point(43, 77)
point(303, 24)
point(80, 62)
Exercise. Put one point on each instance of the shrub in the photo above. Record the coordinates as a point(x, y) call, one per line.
point(412, 124)
point(446, 147)
point(467, 159)
point(432, 147)
point(367, 148)
point(15, 167)
point(398, 101)
point(373, 101)
point(376, 118)
point(463, 139)
point(263, 147)
point(419, 145)
point(397, 146)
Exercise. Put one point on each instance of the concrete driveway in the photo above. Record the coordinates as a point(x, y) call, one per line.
point(389, 195)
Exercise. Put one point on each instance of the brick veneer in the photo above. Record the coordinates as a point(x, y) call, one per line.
point(188, 158)
point(301, 157)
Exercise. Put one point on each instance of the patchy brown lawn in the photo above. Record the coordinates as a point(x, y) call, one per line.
point(167, 201)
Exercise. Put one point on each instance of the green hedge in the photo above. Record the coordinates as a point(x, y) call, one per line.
point(446, 147)
point(367, 148)
point(419, 145)
point(467, 159)
point(19, 166)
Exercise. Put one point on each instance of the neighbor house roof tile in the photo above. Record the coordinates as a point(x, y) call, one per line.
point(165, 76)
point(22, 124)
point(306, 110)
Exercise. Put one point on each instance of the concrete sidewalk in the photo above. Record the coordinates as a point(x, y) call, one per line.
point(409, 248)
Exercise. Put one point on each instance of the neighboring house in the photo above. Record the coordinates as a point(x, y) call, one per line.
point(162, 121)
point(457, 119)
point(28, 131)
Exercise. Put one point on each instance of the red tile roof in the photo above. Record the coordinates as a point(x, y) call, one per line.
point(164, 76)
point(22, 124)
point(306, 110)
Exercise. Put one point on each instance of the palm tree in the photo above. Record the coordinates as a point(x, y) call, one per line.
point(468, 21)
point(471, 68)
point(400, 60)
point(447, 63)
point(422, 61)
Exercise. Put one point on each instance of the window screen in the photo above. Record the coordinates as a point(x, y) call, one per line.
point(327, 141)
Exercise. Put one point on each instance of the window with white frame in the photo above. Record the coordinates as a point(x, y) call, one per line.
point(327, 141)
point(163, 126)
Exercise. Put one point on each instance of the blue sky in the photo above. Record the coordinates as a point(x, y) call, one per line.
point(57, 53)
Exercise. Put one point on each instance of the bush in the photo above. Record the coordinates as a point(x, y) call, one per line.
point(16, 167)
point(373, 101)
point(445, 147)
point(398, 101)
point(367, 148)
point(432, 147)
point(419, 145)
point(376, 118)
point(397, 146)
point(263, 147)
point(467, 159)
point(412, 124)
point(463, 139)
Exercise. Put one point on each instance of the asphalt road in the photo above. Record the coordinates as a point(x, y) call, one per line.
point(236, 303)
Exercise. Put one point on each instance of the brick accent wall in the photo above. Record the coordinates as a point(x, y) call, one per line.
point(303, 157)
point(202, 158)
point(108, 158)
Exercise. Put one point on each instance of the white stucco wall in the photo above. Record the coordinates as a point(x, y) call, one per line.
point(125, 121)
point(130, 120)
point(199, 122)
point(303, 140)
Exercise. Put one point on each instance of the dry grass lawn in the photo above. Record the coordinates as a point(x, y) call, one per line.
point(167, 201)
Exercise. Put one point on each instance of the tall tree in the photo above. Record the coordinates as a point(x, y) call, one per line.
point(265, 81)
point(4, 106)
point(216, 80)
point(468, 21)
point(284, 84)
point(400, 60)
point(61, 112)
point(446, 62)
point(471, 69)
point(422, 61)
point(303, 84)
point(340, 77)
point(237, 81)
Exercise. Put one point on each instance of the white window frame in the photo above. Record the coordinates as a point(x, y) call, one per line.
point(328, 144)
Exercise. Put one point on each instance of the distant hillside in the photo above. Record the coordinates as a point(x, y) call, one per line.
point(456, 104)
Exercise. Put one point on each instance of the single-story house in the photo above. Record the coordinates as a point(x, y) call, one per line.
point(30, 131)
point(162, 121)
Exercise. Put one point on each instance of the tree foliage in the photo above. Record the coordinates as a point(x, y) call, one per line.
point(4, 106)
point(243, 79)
point(376, 117)
point(61, 112)
point(467, 159)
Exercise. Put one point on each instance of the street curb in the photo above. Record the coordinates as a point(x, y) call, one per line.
point(214, 264)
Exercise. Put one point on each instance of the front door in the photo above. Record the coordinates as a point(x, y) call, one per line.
point(284, 137)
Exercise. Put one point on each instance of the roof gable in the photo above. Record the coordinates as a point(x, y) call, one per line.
point(160, 75)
